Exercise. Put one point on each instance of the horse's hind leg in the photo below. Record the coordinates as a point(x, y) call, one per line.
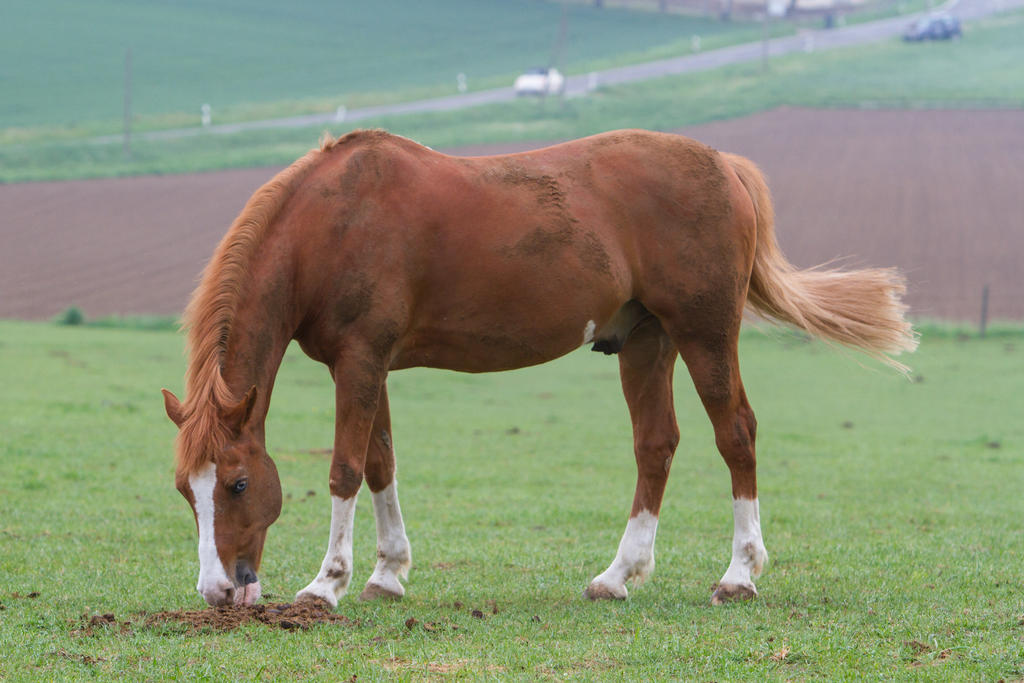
point(645, 365)
point(713, 362)
point(393, 552)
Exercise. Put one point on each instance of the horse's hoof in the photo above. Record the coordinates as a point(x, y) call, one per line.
point(733, 592)
point(376, 592)
point(599, 591)
point(315, 596)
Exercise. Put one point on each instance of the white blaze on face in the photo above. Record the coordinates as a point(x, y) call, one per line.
point(213, 580)
point(588, 332)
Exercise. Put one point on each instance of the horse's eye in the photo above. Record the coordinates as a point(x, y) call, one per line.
point(240, 485)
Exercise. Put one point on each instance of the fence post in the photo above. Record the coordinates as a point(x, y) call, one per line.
point(984, 311)
point(126, 145)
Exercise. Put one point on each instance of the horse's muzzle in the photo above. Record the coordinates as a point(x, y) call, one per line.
point(247, 589)
point(221, 593)
point(244, 590)
point(244, 574)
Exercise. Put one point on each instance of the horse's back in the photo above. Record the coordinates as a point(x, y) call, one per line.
point(485, 263)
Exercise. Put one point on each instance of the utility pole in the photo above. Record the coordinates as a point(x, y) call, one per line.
point(775, 8)
point(984, 312)
point(764, 37)
point(556, 52)
point(128, 103)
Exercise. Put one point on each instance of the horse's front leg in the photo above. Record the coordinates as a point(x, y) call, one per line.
point(358, 385)
point(394, 555)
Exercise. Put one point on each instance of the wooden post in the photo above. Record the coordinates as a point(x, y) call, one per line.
point(559, 46)
point(984, 311)
point(764, 39)
point(127, 147)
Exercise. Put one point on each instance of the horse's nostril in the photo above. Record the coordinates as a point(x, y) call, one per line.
point(244, 574)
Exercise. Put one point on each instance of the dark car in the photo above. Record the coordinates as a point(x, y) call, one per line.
point(934, 27)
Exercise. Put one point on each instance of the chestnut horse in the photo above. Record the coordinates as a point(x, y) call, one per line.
point(377, 254)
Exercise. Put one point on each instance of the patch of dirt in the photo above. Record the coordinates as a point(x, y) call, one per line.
point(400, 664)
point(286, 615)
point(431, 626)
point(89, 624)
point(102, 619)
point(77, 657)
point(922, 658)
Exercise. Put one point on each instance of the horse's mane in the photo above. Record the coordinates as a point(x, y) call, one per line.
point(212, 308)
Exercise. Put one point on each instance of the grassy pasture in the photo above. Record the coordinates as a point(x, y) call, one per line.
point(891, 512)
point(64, 59)
point(985, 69)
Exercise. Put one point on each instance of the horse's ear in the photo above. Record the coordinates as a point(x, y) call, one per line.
point(173, 407)
point(237, 415)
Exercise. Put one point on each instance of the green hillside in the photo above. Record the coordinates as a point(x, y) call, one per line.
point(986, 69)
point(63, 60)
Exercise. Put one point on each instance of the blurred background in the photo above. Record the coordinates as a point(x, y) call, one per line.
point(132, 133)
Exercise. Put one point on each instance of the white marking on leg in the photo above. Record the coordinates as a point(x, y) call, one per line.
point(394, 555)
point(336, 569)
point(748, 551)
point(634, 559)
point(214, 583)
point(588, 332)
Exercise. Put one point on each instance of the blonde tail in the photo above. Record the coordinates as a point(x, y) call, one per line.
point(858, 308)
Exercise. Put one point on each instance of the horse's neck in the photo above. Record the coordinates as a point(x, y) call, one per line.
point(260, 332)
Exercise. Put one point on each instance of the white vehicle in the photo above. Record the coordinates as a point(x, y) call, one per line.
point(540, 81)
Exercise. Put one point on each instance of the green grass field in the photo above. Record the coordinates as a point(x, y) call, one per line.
point(985, 69)
point(891, 510)
point(259, 58)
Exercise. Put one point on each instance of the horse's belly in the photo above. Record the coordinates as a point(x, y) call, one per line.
point(471, 343)
point(523, 291)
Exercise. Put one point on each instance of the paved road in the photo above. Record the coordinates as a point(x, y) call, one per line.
point(582, 84)
point(804, 41)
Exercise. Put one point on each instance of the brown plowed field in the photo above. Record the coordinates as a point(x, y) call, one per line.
point(939, 194)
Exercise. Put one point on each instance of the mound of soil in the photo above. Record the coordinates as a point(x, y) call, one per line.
point(286, 615)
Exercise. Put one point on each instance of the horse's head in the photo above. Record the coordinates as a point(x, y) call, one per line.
point(235, 496)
